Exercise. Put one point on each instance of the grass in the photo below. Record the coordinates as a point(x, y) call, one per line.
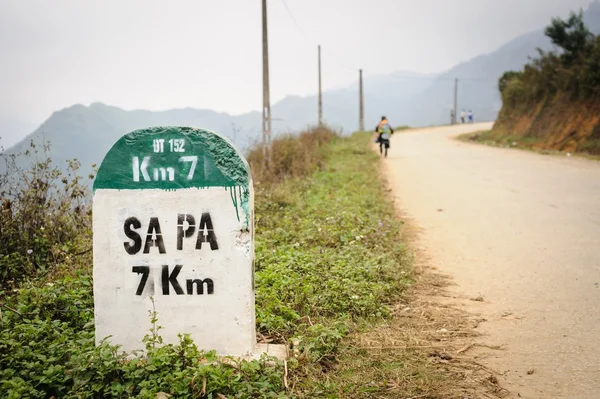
point(339, 268)
point(486, 137)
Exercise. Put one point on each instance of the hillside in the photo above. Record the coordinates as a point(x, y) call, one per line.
point(554, 102)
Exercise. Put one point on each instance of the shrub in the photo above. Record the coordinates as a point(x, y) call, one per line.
point(290, 156)
point(44, 217)
point(513, 91)
point(49, 354)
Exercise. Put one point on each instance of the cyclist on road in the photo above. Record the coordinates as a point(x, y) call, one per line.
point(385, 132)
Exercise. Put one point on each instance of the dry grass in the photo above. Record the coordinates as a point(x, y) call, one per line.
point(291, 156)
point(486, 138)
point(423, 351)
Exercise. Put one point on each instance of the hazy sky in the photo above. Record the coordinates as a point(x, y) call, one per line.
point(207, 54)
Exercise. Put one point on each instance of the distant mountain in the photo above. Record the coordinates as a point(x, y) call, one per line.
point(383, 94)
point(87, 133)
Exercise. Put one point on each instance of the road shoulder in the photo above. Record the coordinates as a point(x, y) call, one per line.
point(435, 319)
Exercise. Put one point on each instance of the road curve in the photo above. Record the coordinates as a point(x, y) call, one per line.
point(521, 230)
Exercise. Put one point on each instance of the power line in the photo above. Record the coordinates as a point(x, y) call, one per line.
point(346, 66)
point(438, 78)
point(296, 22)
point(311, 42)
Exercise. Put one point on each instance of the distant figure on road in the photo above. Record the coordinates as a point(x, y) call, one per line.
point(385, 132)
point(462, 116)
point(470, 116)
point(452, 117)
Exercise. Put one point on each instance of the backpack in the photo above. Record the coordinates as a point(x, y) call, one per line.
point(385, 130)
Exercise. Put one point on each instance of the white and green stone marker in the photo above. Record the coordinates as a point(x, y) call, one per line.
point(174, 221)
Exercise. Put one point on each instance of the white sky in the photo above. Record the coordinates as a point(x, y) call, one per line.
point(207, 53)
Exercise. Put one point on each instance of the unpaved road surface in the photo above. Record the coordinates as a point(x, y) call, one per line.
point(522, 231)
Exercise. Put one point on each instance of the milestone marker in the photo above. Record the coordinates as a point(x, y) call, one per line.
point(173, 221)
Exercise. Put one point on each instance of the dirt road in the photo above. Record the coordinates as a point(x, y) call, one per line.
point(522, 231)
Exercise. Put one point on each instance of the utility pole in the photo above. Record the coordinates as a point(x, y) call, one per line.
point(266, 114)
point(320, 93)
point(361, 104)
point(455, 100)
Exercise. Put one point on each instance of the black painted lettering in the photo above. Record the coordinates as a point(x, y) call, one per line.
point(134, 247)
point(210, 287)
point(145, 272)
point(154, 230)
point(187, 233)
point(210, 237)
point(171, 279)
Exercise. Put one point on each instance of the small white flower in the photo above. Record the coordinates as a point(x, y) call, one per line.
point(29, 251)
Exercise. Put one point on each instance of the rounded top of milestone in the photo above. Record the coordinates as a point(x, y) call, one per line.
point(172, 158)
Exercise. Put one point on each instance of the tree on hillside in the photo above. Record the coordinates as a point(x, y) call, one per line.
point(571, 35)
point(574, 71)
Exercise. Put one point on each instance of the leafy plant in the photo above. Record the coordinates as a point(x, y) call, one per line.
point(44, 215)
point(573, 70)
point(571, 35)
